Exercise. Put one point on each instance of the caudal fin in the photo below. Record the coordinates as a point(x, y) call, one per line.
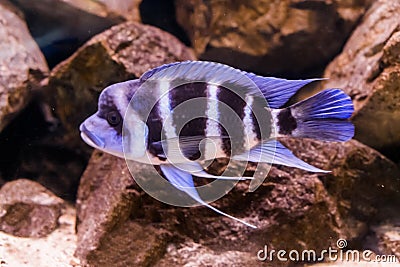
point(322, 117)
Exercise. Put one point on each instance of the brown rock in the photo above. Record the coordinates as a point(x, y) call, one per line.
point(28, 209)
point(267, 37)
point(388, 237)
point(106, 236)
point(121, 53)
point(291, 208)
point(22, 65)
point(368, 70)
point(129, 9)
point(55, 249)
point(194, 254)
point(362, 181)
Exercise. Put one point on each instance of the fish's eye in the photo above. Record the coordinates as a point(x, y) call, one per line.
point(113, 118)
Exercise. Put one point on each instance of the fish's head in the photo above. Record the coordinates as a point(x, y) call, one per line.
point(103, 130)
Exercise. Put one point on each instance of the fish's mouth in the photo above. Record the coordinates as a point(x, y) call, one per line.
point(90, 138)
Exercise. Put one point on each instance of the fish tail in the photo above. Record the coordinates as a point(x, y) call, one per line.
point(323, 116)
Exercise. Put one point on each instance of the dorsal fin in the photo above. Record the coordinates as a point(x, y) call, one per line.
point(275, 90)
point(202, 71)
point(145, 76)
point(278, 91)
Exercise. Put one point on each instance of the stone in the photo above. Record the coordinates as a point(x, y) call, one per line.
point(364, 183)
point(361, 263)
point(129, 10)
point(112, 9)
point(60, 27)
point(292, 209)
point(22, 65)
point(107, 197)
point(388, 238)
point(368, 70)
point(194, 254)
point(55, 249)
point(121, 53)
point(287, 37)
point(28, 209)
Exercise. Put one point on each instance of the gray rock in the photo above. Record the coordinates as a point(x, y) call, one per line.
point(293, 209)
point(368, 70)
point(269, 37)
point(22, 65)
point(27, 209)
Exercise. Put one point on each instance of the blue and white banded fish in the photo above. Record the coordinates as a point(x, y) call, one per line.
point(151, 124)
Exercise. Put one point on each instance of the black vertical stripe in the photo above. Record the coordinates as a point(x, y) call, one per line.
point(231, 120)
point(190, 117)
point(189, 105)
point(154, 124)
point(286, 122)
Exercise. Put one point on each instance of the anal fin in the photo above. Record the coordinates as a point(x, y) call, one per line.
point(274, 152)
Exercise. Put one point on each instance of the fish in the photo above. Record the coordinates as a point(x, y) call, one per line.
point(181, 114)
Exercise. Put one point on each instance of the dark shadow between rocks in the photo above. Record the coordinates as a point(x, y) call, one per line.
point(161, 14)
point(30, 150)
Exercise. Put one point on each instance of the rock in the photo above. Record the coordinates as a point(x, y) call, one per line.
point(55, 249)
point(61, 27)
point(124, 52)
point(22, 65)
point(106, 237)
point(388, 237)
point(109, 202)
point(112, 9)
point(127, 9)
point(361, 263)
point(362, 181)
point(269, 37)
point(368, 70)
point(194, 254)
point(291, 208)
point(28, 209)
